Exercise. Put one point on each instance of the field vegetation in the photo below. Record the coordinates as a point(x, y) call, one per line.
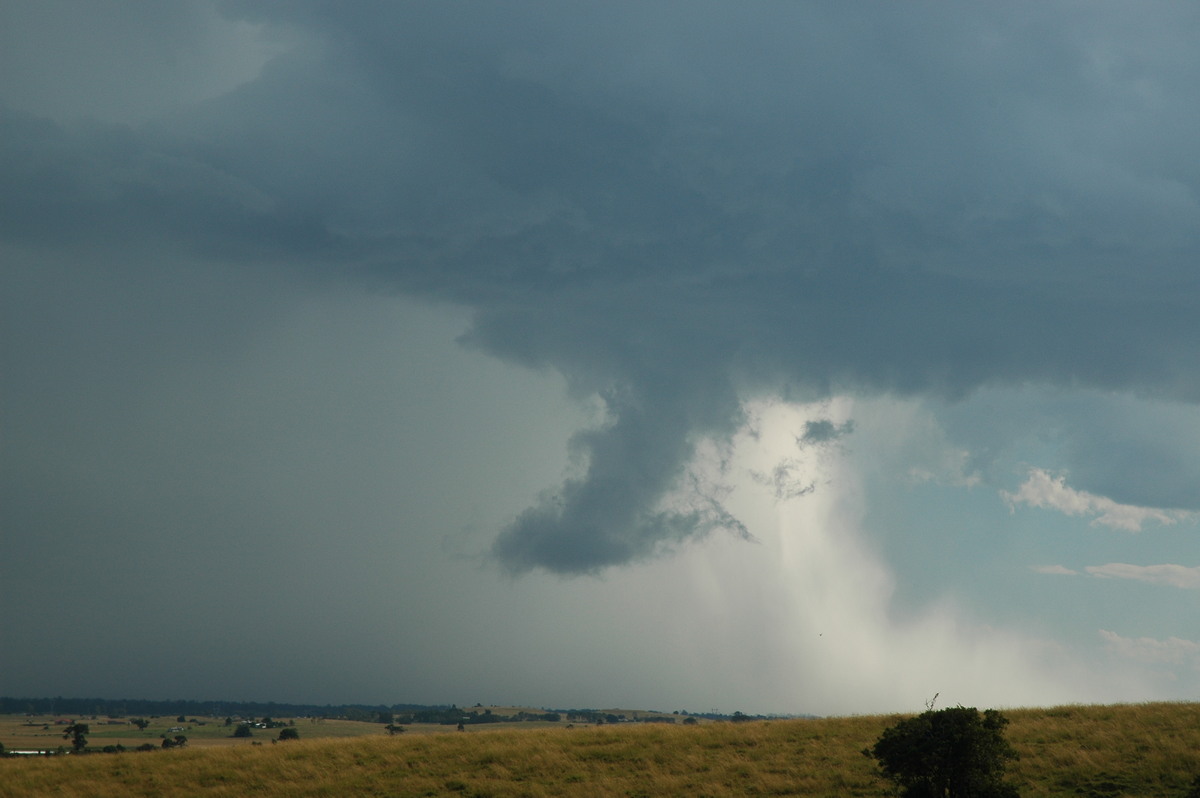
point(1098, 751)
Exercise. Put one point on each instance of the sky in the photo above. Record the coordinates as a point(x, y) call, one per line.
point(764, 357)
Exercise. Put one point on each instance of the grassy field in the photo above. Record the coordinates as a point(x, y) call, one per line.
point(1100, 751)
point(44, 732)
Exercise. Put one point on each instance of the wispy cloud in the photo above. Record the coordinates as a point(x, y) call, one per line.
point(1171, 651)
point(1054, 570)
point(1168, 574)
point(1051, 492)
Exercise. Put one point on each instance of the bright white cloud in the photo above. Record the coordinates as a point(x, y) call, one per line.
point(1171, 651)
point(1168, 574)
point(1049, 491)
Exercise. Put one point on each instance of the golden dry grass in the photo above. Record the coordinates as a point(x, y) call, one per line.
point(1134, 750)
point(1102, 751)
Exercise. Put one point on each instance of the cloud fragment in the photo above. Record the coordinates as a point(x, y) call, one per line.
point(1180, 576)
point(1053, 570)
point(1149, 650)
point(786, 480)
point(824, 431)
point(1045, 490)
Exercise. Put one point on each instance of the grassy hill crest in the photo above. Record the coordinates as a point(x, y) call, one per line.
point(1099, 751)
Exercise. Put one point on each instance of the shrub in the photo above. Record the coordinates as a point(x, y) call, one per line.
point(947, 753)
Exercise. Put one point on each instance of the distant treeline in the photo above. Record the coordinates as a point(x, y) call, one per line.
point(452, 715)
point(125, 707)
point(375, 713)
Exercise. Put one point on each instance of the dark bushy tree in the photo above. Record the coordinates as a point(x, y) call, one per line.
point(290, 733)
point(947, 753)
point(243, 730)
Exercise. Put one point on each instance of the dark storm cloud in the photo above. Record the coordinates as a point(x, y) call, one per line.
point(678, 204)
point(97, 185)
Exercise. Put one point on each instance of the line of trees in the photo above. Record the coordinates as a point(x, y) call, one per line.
point(453, 716)
point(126, 707)
point(371, 713)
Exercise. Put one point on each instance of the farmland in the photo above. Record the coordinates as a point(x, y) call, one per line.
point(1125, 750)
point(46, 732)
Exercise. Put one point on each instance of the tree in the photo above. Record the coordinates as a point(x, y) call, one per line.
point(76, 732)
point(289, 733)
point(243, 730)
point(141, 723)
point(947, 753)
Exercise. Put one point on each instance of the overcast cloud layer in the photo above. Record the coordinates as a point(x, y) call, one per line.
point(948, 254)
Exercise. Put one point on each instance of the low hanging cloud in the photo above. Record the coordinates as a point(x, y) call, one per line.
point(1048, 491)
